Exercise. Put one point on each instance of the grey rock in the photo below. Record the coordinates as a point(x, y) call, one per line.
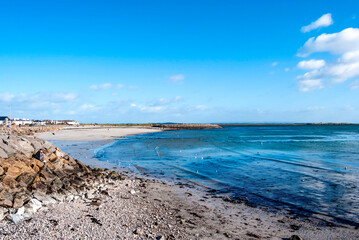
point(59, 154)
point(8, 150)
point(44, 199)
point(3, 154)
point(32, 206)
point(295, 237)
point(15, 218)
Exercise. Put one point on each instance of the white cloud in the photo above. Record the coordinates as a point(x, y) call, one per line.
point(311, 64)
point(324, 21)
point(178, 79)
point(88, 107)
point(274, 64)
point(354, 85)
point(336, 43)
point(65, 96)
point(287, 69)
point(346, 66)
point(307, 85)
point(6, 97)
point(350, 56)
point(105, 86)
point(202, 107)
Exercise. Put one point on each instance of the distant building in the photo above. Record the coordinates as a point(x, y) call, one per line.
point(4, 120)
point(39, 123)
point(21, 121)
point(71, 122)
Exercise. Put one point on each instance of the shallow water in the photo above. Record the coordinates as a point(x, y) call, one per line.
point(312, 168)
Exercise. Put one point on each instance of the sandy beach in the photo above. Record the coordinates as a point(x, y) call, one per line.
point(93, 133)
point(144, 208)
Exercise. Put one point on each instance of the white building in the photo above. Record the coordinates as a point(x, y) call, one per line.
point(39, 123)
point(21, 121)
point(4, 120)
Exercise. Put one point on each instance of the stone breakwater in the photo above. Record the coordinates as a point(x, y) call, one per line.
point(27, 184)
point(29, 130)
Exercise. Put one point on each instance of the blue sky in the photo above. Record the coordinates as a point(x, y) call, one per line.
point(182, 61)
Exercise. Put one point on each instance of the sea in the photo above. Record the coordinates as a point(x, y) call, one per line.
point(309, 169)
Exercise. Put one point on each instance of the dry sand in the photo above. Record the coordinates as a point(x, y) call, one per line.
point(93, 133)
point(138, 208)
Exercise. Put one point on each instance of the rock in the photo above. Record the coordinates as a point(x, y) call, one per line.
point(138, 232)
point(295, 227)
point(3, 154)
point(9, 182)
point(59, 154)
point(33, 205)
point(22, 145)
point(19, 199)
point(27, 177)
point(58, 197)
point(132, 191)
point(7, 149)
point(46, 145)
point(69, 198)
point(15, 218)
point(6, 198)
point(1, 171)
point(295, 237)
point(36, 144)
point(20, 211)
point(43, 198)
point(89, 195)
point(3, 212)
point(51, 149)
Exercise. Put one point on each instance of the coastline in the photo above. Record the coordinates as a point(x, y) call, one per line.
point(138, 208)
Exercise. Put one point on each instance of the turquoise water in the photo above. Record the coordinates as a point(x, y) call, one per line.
point(311, 168)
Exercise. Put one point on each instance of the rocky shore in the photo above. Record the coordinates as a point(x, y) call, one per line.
point(27, 184)
point(65, 199)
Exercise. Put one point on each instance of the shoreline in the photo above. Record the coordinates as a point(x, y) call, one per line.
point(305, 226)
point(158, 210)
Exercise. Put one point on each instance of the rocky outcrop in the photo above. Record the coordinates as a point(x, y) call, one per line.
point(26, 181)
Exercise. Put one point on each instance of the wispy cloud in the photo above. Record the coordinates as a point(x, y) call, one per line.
point(354, 85)
point(6, 97)
point(311, 64)
point(177, 79)
point(105, 86)
point(274, 64)
point(324, 21)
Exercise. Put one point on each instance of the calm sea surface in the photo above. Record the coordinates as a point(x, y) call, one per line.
point(311, 168)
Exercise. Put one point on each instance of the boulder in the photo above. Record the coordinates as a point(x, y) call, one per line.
point(1, 171)
point(3, 154)
point(6, 148)
point(44, 199)
point(6, 198)
point(9, 182)
point(22, 145)
point(20, 198)
point(3, 212)
point(27, 177)
point(15, 218)
point(46, 145)
point(59, 154)
point(33, 205)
